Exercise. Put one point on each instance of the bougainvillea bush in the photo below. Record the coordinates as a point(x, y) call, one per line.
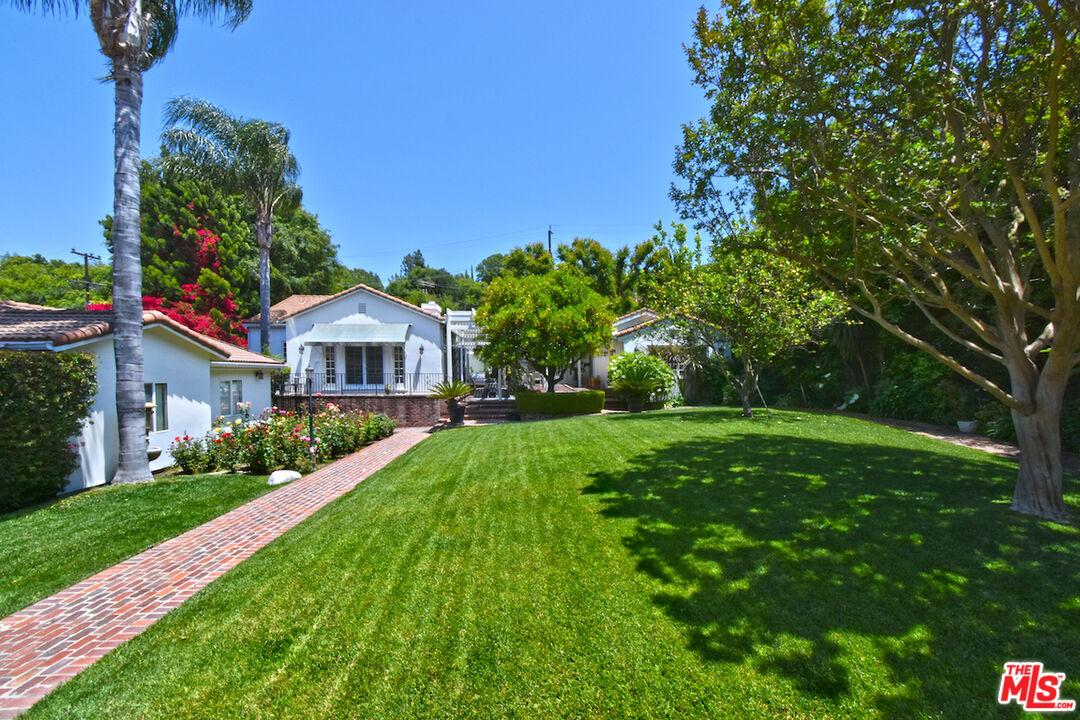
point(280, 439)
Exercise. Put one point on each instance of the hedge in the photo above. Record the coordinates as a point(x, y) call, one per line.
point(578, 403)
point(44, 399)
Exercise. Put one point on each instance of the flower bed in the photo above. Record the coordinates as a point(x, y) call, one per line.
point(280, 439)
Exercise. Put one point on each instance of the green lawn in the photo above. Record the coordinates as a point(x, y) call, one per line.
point(679, 564)
point(48, 548)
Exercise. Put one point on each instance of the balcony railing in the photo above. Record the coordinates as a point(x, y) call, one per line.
point(363, 384)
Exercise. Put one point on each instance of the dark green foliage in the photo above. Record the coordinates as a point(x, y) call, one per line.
point(576, 403)
point(491, 267)
point(639, 375)
point(347, 278)
point(44, 399)
point(426, 284)
point(57, 283)
point(914, 386)
point(532, 259)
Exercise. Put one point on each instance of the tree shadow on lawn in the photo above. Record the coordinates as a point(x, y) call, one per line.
point(831, 563)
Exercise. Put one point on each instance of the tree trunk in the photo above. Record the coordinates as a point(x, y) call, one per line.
point(746, 387)
point(127, 277)
point(552, 376)
point(264, 235)
point(1038, 434)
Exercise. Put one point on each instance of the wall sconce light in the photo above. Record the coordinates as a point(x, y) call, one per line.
point(421, 349)
point(258, 374)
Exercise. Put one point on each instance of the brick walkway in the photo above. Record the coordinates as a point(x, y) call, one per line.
point(55, 639)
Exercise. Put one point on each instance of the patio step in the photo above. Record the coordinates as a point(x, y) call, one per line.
point(490, 409)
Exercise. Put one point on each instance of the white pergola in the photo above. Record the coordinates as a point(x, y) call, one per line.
point(462, 332)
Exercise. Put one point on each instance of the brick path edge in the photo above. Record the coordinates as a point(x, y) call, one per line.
point(48, 643)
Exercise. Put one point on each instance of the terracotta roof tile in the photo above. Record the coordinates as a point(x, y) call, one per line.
point(63, 327)
point(16, 305)
point(296, 304)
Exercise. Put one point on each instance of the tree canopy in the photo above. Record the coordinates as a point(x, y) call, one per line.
point(548, 322)
point(914, 150)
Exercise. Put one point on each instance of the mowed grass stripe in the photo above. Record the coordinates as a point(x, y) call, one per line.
point(682, 564)
point(48, 548)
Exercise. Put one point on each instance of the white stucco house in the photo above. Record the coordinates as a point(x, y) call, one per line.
point(642, 330)
point(359, 341)
point(190, 380)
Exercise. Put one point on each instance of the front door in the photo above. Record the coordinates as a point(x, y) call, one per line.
point(354, 365)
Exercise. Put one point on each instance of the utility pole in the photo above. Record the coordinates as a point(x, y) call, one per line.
point(549, 243)
point(86, 273)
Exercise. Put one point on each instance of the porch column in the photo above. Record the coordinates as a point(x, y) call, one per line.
point(449, 350)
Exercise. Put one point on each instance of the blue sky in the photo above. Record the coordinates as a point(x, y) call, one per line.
point(459, 129)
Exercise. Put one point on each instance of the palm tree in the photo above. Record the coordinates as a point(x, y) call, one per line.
point(134, 35)
point(241, 156)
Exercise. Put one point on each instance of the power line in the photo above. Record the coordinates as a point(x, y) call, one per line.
point(85, 282)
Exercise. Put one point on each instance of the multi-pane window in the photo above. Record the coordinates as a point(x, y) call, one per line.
point(230, 395)
point(329, 365)
point(373, 362)
point(158, 394)
point(399, 365)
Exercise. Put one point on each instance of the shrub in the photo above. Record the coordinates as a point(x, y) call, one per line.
point(190, 454)
point(915, 386)
point(578, 403)
point(44, 399)
point(280, 439)
point(639, 375)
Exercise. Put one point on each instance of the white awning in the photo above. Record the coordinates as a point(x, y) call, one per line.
point(360, 334)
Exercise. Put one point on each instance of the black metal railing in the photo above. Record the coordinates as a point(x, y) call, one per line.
point(363, 383)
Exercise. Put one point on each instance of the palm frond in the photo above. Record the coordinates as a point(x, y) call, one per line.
point(231, 12)
point(48, 7)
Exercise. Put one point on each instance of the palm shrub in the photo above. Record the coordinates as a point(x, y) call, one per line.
point(450, 392)
point(637, 375)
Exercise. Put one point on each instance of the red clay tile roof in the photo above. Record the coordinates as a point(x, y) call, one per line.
point(240, 354)
point(16, 305)
point(296, 304)
point(637, 327)
point(63, 327)
point(639, 311)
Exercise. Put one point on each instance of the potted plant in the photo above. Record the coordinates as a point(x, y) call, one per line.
point(451, 392)
point(636, 385)
point(638, 377)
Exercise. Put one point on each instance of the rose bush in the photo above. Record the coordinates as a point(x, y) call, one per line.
point(280, 439)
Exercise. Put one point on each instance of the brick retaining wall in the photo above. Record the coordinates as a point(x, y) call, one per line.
point(408, 410)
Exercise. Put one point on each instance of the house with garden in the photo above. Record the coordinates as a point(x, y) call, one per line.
point(360, 341)
point(191, 381)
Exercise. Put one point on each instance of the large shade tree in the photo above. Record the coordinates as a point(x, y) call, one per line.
point(918, 150)
point(249, 157)
point(547, 322)
point(133, 36)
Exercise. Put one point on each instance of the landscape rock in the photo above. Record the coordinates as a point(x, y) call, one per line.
point(280, 477)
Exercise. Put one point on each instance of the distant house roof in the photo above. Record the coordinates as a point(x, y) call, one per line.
point(639, 326)
point(656, 319)
point(296, 304)
point(63, 327)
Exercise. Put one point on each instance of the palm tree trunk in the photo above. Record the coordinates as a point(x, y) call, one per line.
point(264, 234)
point(127, 277)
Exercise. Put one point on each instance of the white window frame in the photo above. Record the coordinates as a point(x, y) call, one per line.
point(158, 393)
